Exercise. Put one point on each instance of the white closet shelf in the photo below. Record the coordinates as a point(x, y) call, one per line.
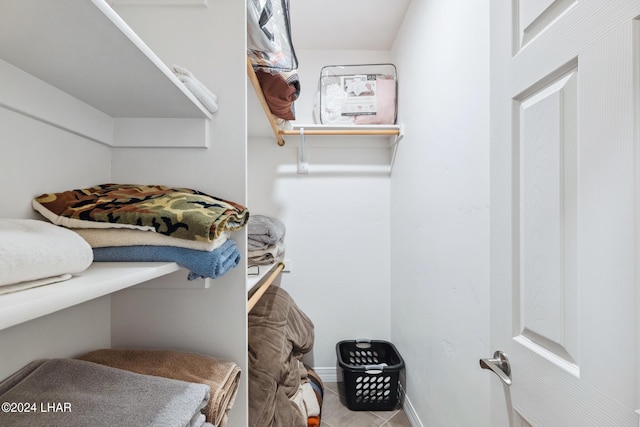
point(101, 278)
point(86, 51)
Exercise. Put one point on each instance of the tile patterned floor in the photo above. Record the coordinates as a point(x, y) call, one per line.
point(335, 414)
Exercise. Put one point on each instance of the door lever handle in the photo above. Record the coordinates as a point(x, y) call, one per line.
point(500, 365)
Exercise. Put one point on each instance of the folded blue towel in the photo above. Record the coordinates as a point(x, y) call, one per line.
point(200, 264)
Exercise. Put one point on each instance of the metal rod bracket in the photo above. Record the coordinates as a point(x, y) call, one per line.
point(303, 165)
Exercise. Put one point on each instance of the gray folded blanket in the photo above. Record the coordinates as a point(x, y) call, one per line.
point(263, 231)
point(69, 393)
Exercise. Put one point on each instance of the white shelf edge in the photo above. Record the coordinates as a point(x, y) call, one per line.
point(100, 279)
point(175, 3)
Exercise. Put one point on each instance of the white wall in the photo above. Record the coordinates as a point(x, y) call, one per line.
point(424, 263)
point(440, 211)
point(337, 217)
point(37, 158)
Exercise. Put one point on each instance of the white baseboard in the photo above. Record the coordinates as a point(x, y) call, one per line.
point(410, 412)
point(331, 375)
point(328, 375)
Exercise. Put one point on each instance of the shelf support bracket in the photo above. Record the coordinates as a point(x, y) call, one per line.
point(393, 142)
point(303, 165)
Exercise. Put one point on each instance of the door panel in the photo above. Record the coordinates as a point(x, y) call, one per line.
point(547, 306)
point(564, 181)
point(519, 421)
point(533, 16)
point(608, 219)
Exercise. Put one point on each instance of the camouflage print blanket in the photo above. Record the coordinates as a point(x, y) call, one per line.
point(178, 212)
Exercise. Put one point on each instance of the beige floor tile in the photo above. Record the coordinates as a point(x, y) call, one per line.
point(360, 419)
point(336, 414)
point(398, 420)
point(385, 415)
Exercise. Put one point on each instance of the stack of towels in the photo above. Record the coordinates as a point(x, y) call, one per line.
point(36, 253)
point(151, 223)
point(221, 376)
point(265, 237)
point(123, 387)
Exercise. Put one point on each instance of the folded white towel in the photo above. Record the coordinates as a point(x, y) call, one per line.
point(181, 71)
point(266, 256)
point(177, 69)
point(195, 86)
point(310, 400)
point(200, 92)
point(33, 250)
point(105, 237)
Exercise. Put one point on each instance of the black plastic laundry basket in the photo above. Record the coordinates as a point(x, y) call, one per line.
point(371, 374)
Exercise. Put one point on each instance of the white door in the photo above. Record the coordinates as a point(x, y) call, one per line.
point(565, 96)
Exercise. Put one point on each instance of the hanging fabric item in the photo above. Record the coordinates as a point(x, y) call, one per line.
point(280, 91)
point(269, 44)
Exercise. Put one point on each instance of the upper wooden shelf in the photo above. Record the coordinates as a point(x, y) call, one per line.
point(316, 129)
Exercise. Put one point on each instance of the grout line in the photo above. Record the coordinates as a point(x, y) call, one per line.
point(386, 421)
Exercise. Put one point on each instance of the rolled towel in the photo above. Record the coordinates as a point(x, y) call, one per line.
point(33, 250)
point(200, 92)
point(222, 376)
point(181, 71)
point(195, 86)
